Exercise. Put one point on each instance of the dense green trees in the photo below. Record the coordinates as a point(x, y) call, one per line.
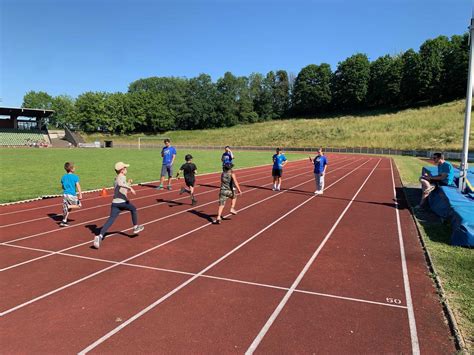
point(437, 72)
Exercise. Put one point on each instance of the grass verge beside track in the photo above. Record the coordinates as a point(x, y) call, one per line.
point(454, 265)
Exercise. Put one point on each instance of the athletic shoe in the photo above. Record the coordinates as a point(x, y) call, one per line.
point(317, 192)
point(159, 187)
point(64, 224)
point(182, 191)
point(193, 202)
point(277, 189)
point(273, 188)
point(168, 187)
point(216, 221)
point(97, 240)
point(138, 229)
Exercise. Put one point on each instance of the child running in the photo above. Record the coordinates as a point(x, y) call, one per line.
point(72, 193)
point(120, 203)
point(189, 169)
point(228, 182)
point(279, 161)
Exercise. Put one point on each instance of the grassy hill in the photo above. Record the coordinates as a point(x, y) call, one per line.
point(437, 127)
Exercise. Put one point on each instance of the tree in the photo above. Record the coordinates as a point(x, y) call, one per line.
point(312, 91)
point(281, 94)
point(227, 108)
point(38, 100)
point(410, 80)
point(432, 70)
point(261, 96)
point(91, 112)
point(456, 62)
point(201, 94)
point(64, 111)
point(350, 82)
point(384, 83)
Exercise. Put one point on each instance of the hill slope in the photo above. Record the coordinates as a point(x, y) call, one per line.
point(437, 127)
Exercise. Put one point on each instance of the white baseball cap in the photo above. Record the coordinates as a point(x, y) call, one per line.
point(120, 165)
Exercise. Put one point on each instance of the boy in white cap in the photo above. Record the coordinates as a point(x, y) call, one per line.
point(120, 203)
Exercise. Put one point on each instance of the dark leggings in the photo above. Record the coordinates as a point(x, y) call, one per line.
point(115, 211)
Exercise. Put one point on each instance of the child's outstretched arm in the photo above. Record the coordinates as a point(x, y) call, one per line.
point(177, 174)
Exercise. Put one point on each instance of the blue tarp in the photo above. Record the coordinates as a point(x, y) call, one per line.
point(447, 202)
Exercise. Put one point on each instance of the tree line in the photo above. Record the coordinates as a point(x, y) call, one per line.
point(436, 73)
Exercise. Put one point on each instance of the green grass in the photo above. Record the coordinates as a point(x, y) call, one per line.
point(454, 265)
point(438, 127)
point(29, 173)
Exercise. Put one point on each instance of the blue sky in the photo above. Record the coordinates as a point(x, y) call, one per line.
point(71, 46)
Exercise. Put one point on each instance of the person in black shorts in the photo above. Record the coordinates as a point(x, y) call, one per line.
point(189, 169)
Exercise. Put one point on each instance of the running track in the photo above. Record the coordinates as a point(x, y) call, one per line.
point(291, 273)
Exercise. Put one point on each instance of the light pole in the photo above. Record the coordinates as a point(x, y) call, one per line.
point(467, 117)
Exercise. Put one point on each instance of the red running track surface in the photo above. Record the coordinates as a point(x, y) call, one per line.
point(291, 273)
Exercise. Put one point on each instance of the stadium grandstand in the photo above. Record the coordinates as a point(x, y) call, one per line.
point(20, 127)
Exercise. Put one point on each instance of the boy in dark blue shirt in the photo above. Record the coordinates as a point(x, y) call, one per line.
point(169, 154)
point(72, 193)
point(279, 161)
point(320, 165)
point(189, 169)
point(227, 156)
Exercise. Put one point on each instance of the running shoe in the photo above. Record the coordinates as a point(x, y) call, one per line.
point(168, 187)
point(138, 229)
point(97, 240)
point(182, 191)
point(64, 224)
point(159, 187)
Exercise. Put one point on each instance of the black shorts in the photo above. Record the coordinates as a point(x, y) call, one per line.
point(277, 172)
point(189, 182)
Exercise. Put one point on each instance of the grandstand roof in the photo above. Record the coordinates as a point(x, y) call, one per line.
point(25, 112)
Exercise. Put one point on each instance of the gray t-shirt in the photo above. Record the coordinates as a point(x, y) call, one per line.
point(120, 189)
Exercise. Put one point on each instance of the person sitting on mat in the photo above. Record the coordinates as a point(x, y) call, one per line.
point(228, 185)
point(189, 169)
point(445, 177)
point(120, 203)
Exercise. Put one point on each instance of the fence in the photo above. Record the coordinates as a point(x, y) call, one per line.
point(355, 150)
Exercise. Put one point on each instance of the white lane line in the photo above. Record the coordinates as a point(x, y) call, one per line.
point(148, 182)
point(415, 346)
point(153, 221)
point(215, 278)
point(151, 249)
point(187, 282)
point(297, 281)
point(110, 235)
point(138, 209)
point(154, 194)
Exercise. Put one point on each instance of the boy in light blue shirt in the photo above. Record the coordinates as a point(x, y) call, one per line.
point(72, 193)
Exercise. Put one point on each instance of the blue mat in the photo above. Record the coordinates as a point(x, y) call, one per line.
point(447, 202)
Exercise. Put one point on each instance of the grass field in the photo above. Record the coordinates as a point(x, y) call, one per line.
point(438, 127)
point(29, 173)
point(454, 265)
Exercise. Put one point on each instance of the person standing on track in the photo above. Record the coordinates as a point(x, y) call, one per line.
point(227, 156)
point(169, 154)
point(72, 194)
point(320, 165)
point(189, 169)
point(228, 185)
point(279, 161)
point(120, 203)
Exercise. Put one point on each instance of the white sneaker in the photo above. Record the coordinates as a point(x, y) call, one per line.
point(97, 240)
point(317, 192)
point(138, 229)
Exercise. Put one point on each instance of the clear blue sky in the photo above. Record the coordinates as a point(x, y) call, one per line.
point(73, 46)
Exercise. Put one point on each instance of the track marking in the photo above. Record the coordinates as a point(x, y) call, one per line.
point(415, 346)
point(138, 209)
point(172, 240)
point(210, 266)
point(147, 182)
point(154, 194)
point(146, 223)
point(295, 284)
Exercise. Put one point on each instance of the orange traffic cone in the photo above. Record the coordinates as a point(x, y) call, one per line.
point(103, 193)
